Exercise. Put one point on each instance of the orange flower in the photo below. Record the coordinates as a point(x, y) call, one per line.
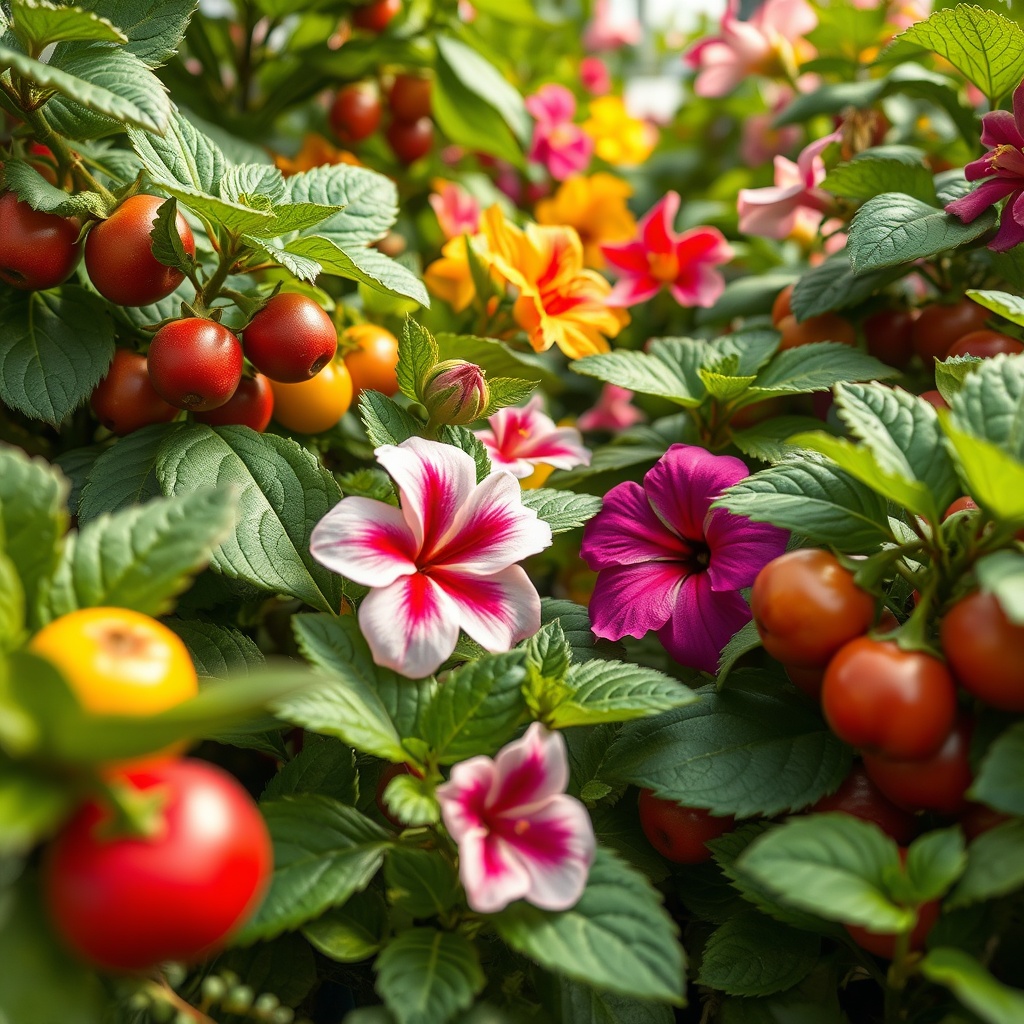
point(596, 208)
point(618, 138)
point(315, 152)
point(449, 278)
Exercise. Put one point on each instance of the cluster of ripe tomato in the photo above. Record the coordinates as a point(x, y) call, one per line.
point(174, 878)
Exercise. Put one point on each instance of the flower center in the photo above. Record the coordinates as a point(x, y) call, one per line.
point(521, 826)
point(664, 266)
point(697, 558)
point(1007, 160)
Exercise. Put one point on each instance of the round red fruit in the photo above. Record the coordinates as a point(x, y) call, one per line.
point(371, 358)
point(934, 398)
point(939, 326)
point(888, 335)
point(826, 327)
point(119, 254)
point(375, 17)
point(881, 698)
point(252, 405)
point(409, 140)
point(884, 945)
point(984, 345)
point(985, 651)
point(195, 364)
point(806, 606)
point(127, 903)
point(860, 797)
point(125, 400)
point(409, 97)
point(37, 250)
point(680, 833)
point(964, 504)
point(355, 112)
point(291, 339)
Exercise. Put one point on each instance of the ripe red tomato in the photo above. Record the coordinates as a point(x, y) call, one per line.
point(409, 97)
point(984, 344)
point(985, 651)
point(861, 798)
point(43, 160)
point(125, 400)
point(375, 17)
point(934, 398)
point(938, 783)
point(826, 327)
point(888, 335)
point(806, 606)
point(679, 833)
point(881, 698)
point(940, 325)
point(355, 112)
point(373, 361)
point(128, 903)
point(251, 405)
point(808, 680)
point(37, 250)
point(884, 944)
point(782, 306)
point(409, 140)
point(964, 504)
point(119, 254)
point(315, 405)
point(195, 364)
point(291, 339)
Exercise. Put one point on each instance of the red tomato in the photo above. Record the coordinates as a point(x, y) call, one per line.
point(46, 162)
point(984, 344)
point(888, 335)
point(195, 364)
point(938, 783)
point(291, 339)
point(127, 903)
point(409, 97)
point(934, 398)
point(125, 400)
point(679, 833)
point(806, 679)
point(826, 327)
point(376, 16)
point(884, 945)
point(252, 405)
point(985, 651)
point(881, 698)
point(939, 326)
point(860, 797)
point(371, 358)
point(409, 140)
point(37, 250)
point(355, 112)
point(119, 254)
point(806, 606)
point(782, 306)
point(964, 504)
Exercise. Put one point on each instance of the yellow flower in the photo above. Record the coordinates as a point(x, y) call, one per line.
point(618, 138)
point(316, 151)
point(596, 208)
point(449, 278)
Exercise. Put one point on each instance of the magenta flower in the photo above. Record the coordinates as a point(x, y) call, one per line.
point(445, 560)
point(457, 211)
point(519, 835)
point(772, 212)
point(563, 147)
point(1003, 170)
point(770, 43)
point(594, 76)
point(661, 257)
point(606, 31)
point(520, 439)
point(614, 411)
point(666, 561)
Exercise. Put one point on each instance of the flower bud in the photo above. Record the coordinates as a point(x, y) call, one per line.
point(455, 392)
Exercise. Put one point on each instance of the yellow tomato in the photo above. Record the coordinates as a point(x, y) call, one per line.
point(373, 362)
point(315, 405)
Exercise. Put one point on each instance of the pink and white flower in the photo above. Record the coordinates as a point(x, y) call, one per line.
point(457, 211)
point(520, 439)
point(442, 562)
point(562, 146)
point(613, 411)
point(519, 835)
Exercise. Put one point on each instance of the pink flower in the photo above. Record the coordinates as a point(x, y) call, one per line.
point(1003, 170)
point(773, 212)
point(457, 211)
point(519, 835)
point(520, 439)
point(666, 561)
point(594, 76)
point(560, 145)
point(606, 32)
point(767, 44)
point(445, 560)
point(660, 257)
point(761, 139)
point(613, 412)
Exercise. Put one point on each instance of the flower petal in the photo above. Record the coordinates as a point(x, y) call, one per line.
point(702, 623)
point(491, 872)
point(529, 771)
point(998, 128)
point(463, 798)
point(1011, 230)
point(631, 600)
point(631, 291)
point(740, 549)
point(497, 611)
point(657, 228)
point(630, 257)
point(974, 204)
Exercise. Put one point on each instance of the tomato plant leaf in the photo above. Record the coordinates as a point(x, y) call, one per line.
point(37, 23)
point(990, 404)
point(217, 651)
point(997, 782)
point(324, 765)
point(369, 202)
point(353, 932)
point(995, 866)
point(669, 369)
point(815, 367)
point(154, 28)
point(562, 510)
point(583, 1004)
point(182, 156)
point(423, 883)
point(973, 985)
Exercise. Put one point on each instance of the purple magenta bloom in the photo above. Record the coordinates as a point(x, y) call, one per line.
point(1003, 170)
point(666, 561)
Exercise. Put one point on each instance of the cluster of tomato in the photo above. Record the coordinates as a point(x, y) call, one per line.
point(173, 878)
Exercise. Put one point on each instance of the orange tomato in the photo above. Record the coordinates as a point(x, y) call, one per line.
point(373, 361)
point(315, 405)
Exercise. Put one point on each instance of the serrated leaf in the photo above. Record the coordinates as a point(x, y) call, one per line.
point(31, 187)
point(423, 883)
point(369, 199)
point(574, 620)
point(995, 866)
point(992, 477)
point(154, 28)
point(241, 183)
point(951, 373)
point(1007, 305)
point(867, 178)
point(506, 391)
point(304, 268)
point(353, 932)
point(997, 783)
point(815, 367)
point(385, 421)
point(324, 765)
point(218, 651)
point(37, 23)
point(669, 369)
point(182, 156)
point(417, 356)
point(990, 405)
point(412, 800)
point(582, 1004)
point(833, 285)
point(992, 1001)
point(562, 510)
point(462, 437)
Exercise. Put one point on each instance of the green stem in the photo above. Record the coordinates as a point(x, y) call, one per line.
point(212, 289)
point(67, 159)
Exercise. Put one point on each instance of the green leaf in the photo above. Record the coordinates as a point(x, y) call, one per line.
point(1007, 305)
point(497, 360)
point(894, 228)
point(417, 356)
point(743, 750)
point(12, 604)
point(669, 369)
point(574, 620)
point(992, 477)
point(139, 558)
point(477, 709)
point(506, 391)
point(997, 782)
point(867, 178)
point(995, 866)
point(282, 492)
point(1002, 574)
point(951, 373)
point(582, 1004)
point(752, 955)
point(768, 440)
point(990, 405)
point(154, 28)
point(423, 883)
point(167, 247)
point(31, 809)
point(31, 187)
point(412, 800)
point(182, 156)
point(55, 347)
point(832, 865)
point(562, 510)
point(324, 765)
point(815, 367)
point(385, 421)
point(618, 937)
point(992, 1001)
point(369, 201)
point(304, 268)
point(833, 285)
point(934, 862)
point(353, 932)
point(37, 23)
point(464, 438)
point(324, 851)
point(747, 296)
point(615, 691)
point(519, 12)
point(426, 976)
point(371, 708)
point(217, 651)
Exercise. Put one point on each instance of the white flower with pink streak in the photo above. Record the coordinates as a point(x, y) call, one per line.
point(520, 439)
point(519, 835)
point(442, 562)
